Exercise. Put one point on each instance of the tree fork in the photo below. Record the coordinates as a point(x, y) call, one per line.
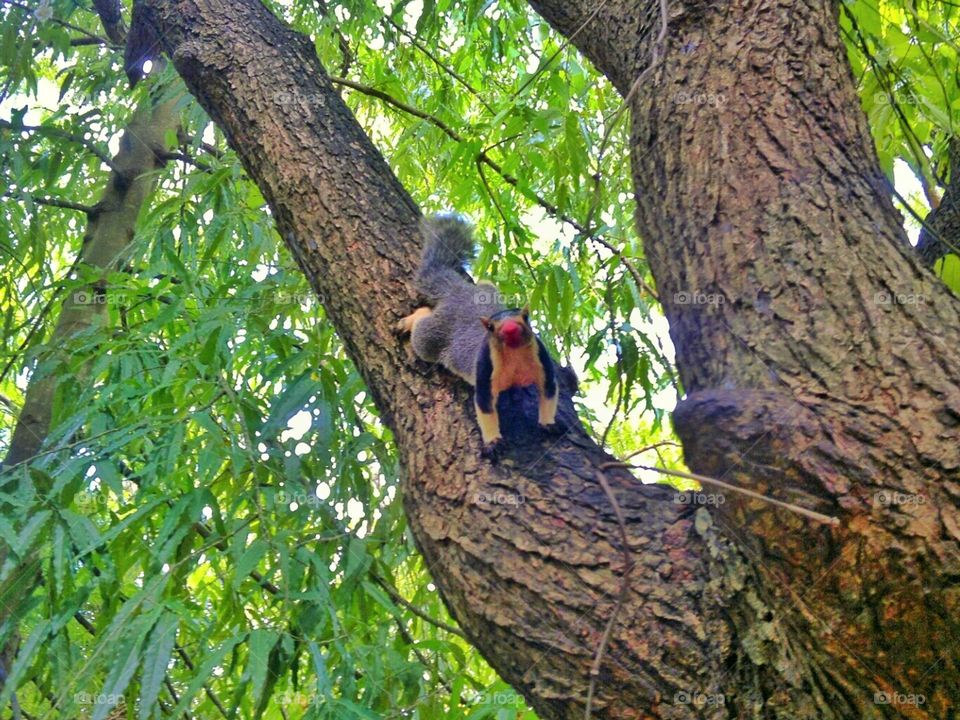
point(713, 608)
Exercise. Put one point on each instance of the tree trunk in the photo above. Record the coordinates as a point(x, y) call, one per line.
point(110, 230)
point(823, 361)
point(801, 384)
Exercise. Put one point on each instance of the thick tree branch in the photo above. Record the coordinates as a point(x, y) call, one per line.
point(109, 230)
point(816, 363)
point(112, 20)
point(940, 233)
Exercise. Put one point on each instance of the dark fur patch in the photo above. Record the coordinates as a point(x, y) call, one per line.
point(484, 388)
point(509, 312)
point(549, 375)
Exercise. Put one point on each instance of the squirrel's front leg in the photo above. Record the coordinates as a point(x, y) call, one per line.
point(547, 415)
point(549, 396)
point(485, 402)
point(489, 423)
point(406, 325)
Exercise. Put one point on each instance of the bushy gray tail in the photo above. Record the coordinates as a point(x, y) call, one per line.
point(448, 245)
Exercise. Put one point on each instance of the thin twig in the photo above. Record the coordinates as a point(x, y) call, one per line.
point(628, 566)
point(52, 202)
point(913, 142)
point(346, 52)
point(706, 480)
point(484, 157)
point(439, 63)
point(186, 158)
point(620, 383)
point(79, 42)
point(493, 199)
point(937, 237)
point(103, 156)
point(628, 264)
point(408, 639)
point(89, 627)
point(655, 445)
point(210, 693)
point(400, 600)
point(659, 46)
point(567, 41)
point(221, 545)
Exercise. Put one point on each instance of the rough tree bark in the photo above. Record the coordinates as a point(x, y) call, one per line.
point(944, 220)
point(801, 383)
point(830, 367)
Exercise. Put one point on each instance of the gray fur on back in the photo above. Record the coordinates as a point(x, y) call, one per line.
point(453, 334)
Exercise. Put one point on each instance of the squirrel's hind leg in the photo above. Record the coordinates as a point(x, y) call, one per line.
point(429, 335)
point(406, 325)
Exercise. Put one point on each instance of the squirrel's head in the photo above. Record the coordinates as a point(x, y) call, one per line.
point(510, 327)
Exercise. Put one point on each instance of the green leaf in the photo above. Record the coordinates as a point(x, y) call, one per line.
point(155, 662)
point(357, 559)
point(65, 85)
point(22, 662)
point(262, 641)
point(61, 552)
point(948, 268)
point(248, 561)
point(204, 671)
point(125, 663)
point(294, 396)
point(28, 535)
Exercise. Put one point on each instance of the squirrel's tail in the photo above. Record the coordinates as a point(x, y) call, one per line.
point(448, 245)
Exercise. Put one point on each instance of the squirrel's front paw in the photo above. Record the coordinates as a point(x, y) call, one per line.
point(554, 428)
point(491, 451)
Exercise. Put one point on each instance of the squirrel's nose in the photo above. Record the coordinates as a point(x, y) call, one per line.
point(510, 330)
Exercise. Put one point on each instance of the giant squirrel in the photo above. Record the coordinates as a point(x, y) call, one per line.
point(467, 330)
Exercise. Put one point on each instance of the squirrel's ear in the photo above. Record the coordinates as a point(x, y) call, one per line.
point(525, 312)
point(487, 323)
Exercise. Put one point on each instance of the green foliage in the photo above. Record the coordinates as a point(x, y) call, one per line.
point(214, 521)
point(904, 56)
point(948, 268)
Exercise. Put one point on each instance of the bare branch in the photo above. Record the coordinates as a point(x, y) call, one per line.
point(110, 16)
point(52, 202)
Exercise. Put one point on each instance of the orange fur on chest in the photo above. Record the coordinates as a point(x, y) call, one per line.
point(516, 368)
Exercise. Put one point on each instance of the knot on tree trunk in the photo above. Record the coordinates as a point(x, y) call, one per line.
point(754, 436)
